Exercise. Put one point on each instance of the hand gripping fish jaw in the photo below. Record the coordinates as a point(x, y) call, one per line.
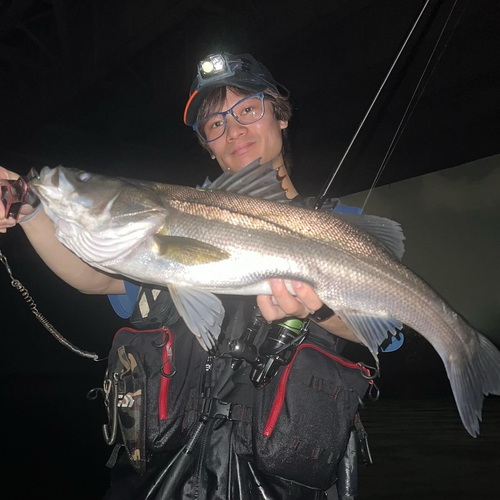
point(15, 194)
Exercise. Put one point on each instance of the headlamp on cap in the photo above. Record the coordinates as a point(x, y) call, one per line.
point(213, 67)
point(223, 69)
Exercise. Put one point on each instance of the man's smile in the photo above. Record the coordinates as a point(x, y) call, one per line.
point(242, 148)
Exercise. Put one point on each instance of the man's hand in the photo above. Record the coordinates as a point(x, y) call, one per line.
point(7, 223)
point(282, 303)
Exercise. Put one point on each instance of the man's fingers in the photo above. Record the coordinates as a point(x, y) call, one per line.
point(6, 223)
point(7, 174)
point(270, 311)
point(307, 295)
point(286, 301)
point(282, 303)
point(3, 175)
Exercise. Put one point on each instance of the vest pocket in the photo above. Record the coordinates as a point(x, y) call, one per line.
point(157, 401)
point(302, 419)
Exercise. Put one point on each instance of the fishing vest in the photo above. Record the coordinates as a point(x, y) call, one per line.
point(287, 438)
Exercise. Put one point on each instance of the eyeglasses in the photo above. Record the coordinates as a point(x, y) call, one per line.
point(247, 111)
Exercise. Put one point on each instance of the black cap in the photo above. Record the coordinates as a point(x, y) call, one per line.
point(242, 71)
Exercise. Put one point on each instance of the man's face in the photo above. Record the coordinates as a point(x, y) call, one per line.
point(242, 144)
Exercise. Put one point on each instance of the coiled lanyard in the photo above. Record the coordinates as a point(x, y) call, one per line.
point(41, 318)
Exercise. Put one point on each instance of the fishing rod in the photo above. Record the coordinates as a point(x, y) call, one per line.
point(424, 79)
point(427, 72)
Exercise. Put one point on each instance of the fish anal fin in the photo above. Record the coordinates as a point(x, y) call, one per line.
point(370, 330)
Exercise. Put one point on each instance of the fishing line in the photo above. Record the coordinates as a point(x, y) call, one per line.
point(422, 83)
point(321, 197)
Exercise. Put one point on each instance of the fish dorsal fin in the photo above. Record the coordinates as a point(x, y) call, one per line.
point(388, 232)
point(202, 312)
point(187, 251)
point(255, 180)
point(370, 330)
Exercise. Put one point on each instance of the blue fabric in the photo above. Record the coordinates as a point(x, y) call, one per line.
point(346, 209)
point(395, 344)
point(124, 304)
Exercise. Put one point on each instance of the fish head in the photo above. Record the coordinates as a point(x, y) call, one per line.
point(98, 217)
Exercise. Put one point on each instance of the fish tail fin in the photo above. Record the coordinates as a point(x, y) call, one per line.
point(473, 378)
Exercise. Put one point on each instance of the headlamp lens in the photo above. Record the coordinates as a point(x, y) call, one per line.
point(207, 67)
point(213, 65)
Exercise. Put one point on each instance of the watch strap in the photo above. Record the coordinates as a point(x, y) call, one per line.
point(322, 314)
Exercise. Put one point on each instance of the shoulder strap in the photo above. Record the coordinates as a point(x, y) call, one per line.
point(154, 308)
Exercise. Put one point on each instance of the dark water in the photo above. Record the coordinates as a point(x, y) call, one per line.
point(52, 445)
point(421, 451)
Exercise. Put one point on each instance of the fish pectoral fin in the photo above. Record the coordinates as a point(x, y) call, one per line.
point(202, 312)
point(370, 330)
point(187, 251)
point(255, 180)
point(388, 232)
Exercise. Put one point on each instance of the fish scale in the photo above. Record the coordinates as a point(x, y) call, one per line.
point(198, 242)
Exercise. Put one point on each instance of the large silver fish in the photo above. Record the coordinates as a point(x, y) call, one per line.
point(224, 238)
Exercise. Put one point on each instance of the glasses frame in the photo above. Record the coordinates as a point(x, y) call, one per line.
point(260, 95)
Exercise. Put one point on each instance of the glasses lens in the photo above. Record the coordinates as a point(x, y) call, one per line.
point(249, 110)
point(211, 127)
point(246, 111)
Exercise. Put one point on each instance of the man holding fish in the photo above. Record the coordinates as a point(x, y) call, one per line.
point(287, 438)
point(241, 145)
point(252, 127)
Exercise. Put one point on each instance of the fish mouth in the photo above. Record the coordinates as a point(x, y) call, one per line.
point(95, 239)
point(52, 184)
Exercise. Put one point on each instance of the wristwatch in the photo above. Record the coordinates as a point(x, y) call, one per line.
point(322, 314)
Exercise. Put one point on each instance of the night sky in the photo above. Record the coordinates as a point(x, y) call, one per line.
point(102, 86)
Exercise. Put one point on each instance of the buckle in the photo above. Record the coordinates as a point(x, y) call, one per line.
point(215, 408)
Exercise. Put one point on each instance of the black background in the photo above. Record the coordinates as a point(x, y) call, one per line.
point(101, 85)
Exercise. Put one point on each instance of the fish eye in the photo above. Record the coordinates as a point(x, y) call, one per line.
point(84, 177)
